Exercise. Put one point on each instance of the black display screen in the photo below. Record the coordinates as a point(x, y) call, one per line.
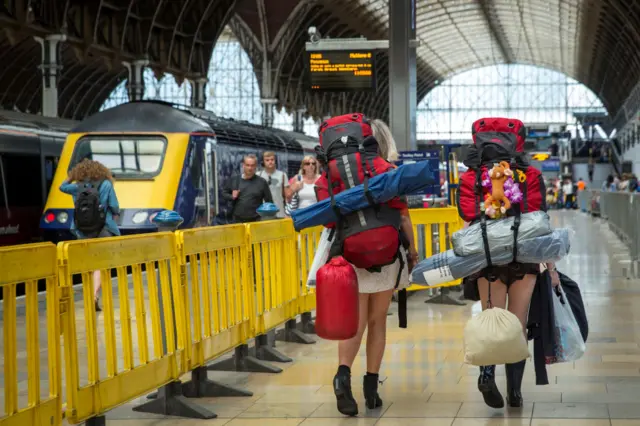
point(341, 70)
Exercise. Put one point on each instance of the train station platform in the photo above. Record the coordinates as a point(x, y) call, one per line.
point(425, 379)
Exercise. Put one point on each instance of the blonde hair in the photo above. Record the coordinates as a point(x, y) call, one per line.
point(383, 135)
point(89, 170)
point(308, 158)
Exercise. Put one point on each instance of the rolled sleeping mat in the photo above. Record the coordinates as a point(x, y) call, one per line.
point(447, 266)
point(468, 241)
point(406, 179)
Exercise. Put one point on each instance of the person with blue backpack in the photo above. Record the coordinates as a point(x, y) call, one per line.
point(96, 206)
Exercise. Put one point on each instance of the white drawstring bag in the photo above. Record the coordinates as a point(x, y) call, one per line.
point(494, 337)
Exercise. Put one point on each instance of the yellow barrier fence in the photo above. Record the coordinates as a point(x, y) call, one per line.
point(309, 239)
point(22, 267)
point(177, 301)
point(219, 298)
point(139, 317)
point(272, 246)
point(428, 240)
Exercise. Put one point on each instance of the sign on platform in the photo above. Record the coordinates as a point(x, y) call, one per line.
point(341, 70)
point(433, 157)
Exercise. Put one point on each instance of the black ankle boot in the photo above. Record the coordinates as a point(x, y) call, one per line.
point(347, 405)
point(514, 383)
point(370, 388)
point(487, 385)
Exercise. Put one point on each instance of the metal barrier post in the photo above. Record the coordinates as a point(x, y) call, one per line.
point(170, 400)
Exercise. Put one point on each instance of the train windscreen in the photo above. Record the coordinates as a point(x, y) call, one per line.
point(127, 157)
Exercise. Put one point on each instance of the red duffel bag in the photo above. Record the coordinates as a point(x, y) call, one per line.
point(337, 300)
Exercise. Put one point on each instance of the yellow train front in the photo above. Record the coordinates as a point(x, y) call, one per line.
point(165, 158)
point(161, 158)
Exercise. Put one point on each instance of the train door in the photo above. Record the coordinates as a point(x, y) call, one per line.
point(204, 175)
point(211, 174)
point(49, 158)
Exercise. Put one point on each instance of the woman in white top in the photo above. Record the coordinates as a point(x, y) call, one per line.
point(376, 289)
point(303, 184)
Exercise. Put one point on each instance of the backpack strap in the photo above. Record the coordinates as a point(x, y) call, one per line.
point(367, 174)
point(483, 226)
point(514, 228)
point(402, 294)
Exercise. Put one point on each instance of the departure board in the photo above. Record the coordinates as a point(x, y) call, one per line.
point(341, 70)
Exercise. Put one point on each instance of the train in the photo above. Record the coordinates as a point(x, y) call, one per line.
point(165, 157)
point(32, 149)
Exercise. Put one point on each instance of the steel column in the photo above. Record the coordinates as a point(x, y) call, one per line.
point(50, 69)
point(402, 73)
point(198, 95)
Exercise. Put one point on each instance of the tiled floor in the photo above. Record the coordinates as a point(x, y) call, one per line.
point(426, 381)
point(428, 384)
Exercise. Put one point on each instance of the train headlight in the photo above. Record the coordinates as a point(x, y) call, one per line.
point(139, 217)
point(63, 217)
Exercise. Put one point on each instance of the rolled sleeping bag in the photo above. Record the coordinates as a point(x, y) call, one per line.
point(447, 266)
point(469, 241)
point(406, 179)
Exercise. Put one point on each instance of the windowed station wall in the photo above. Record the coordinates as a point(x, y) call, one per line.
point(232, 90)
point(529, 93)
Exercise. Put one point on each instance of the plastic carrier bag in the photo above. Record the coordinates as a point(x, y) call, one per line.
point(568, 344)
point(494, 337)
point(321, 256)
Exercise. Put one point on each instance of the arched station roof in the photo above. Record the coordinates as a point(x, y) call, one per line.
point(597, 42)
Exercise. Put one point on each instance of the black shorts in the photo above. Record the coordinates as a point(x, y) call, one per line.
point(510, 273)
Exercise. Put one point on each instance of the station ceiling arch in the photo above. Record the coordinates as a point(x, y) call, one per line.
point(593, 41)
point(596, 42)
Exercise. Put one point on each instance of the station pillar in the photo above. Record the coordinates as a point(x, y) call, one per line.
point(135, 82)
point(198, 95)
point(50, 68)
point(268, 111)
point(298, 119)
point(402, 73)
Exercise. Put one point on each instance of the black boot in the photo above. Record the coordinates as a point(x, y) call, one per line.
point(487, 385)
point(370, 387)
point(514, 383)
point(347, 405)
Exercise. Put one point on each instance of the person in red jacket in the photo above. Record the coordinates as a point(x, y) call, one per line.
point(376, 290)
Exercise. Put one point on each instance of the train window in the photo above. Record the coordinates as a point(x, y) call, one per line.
point(127, 157)
point(20, 180)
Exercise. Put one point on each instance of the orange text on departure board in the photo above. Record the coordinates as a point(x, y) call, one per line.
point(320, 64)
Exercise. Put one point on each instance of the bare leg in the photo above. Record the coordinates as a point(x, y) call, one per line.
point(376, 341)
point(347, 351)
point(97, 284)
point(520, 297)
point(487, 380)
point(498, 293)
point(377, 333)
point(519, 300)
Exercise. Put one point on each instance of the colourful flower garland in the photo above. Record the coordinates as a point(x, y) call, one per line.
point(511, 191)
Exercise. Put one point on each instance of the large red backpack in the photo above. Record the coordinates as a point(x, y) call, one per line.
point(498, 139)
point(368, 238)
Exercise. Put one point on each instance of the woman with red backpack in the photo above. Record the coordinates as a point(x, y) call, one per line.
point(502, 140)
point(352, 142)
